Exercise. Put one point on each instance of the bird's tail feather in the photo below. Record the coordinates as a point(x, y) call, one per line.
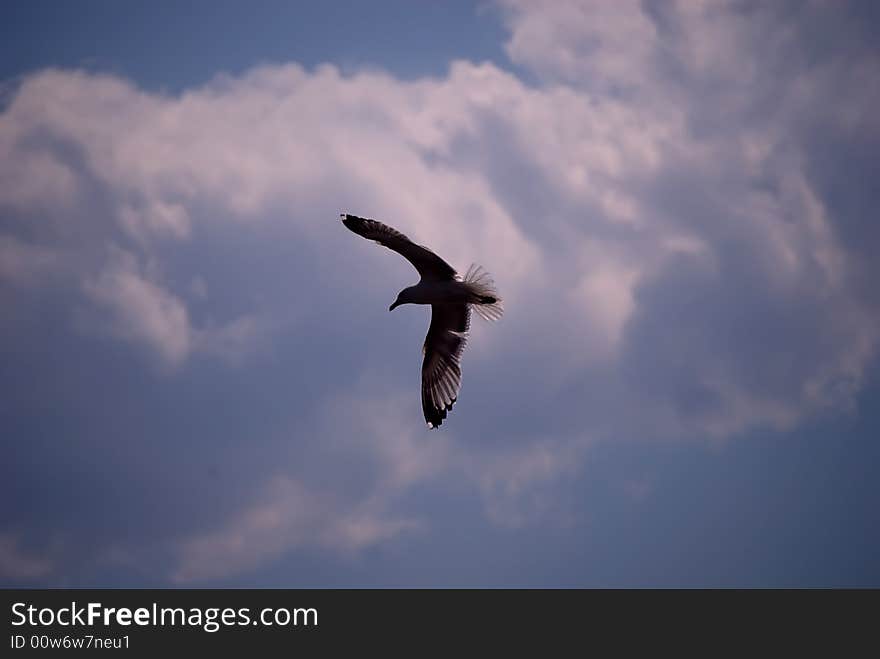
point(484, 298)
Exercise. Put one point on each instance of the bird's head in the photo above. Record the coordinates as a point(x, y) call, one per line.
point(404, 297)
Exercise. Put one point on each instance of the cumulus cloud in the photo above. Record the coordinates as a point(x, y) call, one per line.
point(652, 201)
point(141, 309)
point(607, 45)
point(735, 257)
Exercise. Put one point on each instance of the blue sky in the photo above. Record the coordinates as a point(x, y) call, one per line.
point(203, 385)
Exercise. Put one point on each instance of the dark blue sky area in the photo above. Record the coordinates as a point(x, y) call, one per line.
point(171, 45)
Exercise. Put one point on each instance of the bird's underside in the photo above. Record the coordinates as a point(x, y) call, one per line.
point(451, 298)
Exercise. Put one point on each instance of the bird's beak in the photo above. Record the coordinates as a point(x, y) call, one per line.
point(396, 304)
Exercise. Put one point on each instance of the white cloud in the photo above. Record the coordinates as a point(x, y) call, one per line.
point(141, 309)
point(570, 191)
point(144, 311)
point(520, 485)
point(287, 516)
point(609, 45)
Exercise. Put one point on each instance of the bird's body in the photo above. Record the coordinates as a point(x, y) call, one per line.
point(451, 298)
point(448, 291)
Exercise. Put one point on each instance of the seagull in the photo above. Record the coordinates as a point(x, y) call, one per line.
point(451, 297)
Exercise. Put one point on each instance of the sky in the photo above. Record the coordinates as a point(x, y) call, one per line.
point(203, 386)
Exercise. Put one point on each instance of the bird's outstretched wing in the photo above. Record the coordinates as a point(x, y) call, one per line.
point(429, 265)
point(441, 368)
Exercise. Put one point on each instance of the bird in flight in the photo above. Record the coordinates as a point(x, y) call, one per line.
point(451, 297)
